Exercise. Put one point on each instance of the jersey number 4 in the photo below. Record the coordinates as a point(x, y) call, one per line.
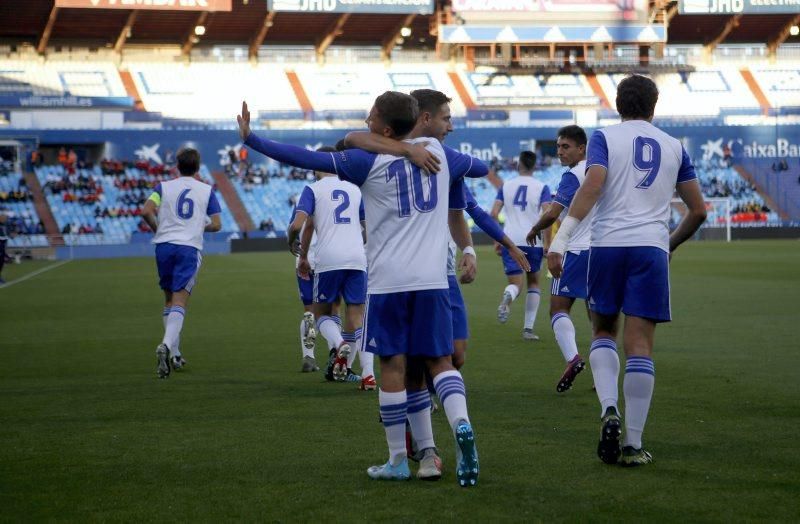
point(647, 159)
point(397, 170)
point(185, 207)
point(337, 195)
point(521, 198)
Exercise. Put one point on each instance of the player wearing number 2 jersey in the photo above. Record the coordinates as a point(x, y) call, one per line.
point(177, 212)
point(633, 169)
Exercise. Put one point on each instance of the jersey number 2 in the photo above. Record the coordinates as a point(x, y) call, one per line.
point(647, 159)
point(341, 208)
point(185, 205)
point(397, 170)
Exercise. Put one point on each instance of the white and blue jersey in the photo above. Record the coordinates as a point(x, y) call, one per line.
point(629, 258)
point(572, 282)
point(338, 212)
point(183, 205)
point(522, 198)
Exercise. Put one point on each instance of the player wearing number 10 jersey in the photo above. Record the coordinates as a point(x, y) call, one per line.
point(633, 168)
point(176, 212)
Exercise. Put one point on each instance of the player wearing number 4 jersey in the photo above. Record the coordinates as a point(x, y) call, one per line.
point(177, 213)
point(522, 198)
point(337, 215)
point(408, 307)
point(633, 168)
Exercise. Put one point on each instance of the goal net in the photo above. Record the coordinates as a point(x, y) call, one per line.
point(718, 224)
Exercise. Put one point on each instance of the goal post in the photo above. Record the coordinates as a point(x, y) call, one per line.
point(719, 217)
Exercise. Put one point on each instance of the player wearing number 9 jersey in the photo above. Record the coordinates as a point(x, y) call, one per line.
point(177, 212)
point(633, 168)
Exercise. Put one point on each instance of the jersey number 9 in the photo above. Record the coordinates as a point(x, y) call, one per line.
point(647, 159)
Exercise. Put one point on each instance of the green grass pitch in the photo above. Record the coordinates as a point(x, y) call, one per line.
point(87, 431)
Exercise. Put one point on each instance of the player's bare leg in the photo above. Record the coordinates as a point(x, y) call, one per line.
point(172, 330)
point(638, 337)
point(453, 395)
point(604, 361)
point(510, 293)
point(564, 331)
point(393, 405)
point(532, 300)
point(459, 353)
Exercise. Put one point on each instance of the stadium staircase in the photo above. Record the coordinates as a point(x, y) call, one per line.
point(240, 214)
point(463, 94)
point(762, 190)
point(598, 89)
point(130, 88)
point(300, 93)
point(43, 210)
point(756, 90)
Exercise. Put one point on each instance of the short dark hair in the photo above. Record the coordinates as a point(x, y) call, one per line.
point(430, 100)
point(398, 111)
point(188, 161)
point(527, 159)
point(326, 149)
point(636, 98)
point(574, 133)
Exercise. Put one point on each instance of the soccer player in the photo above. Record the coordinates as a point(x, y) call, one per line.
point(408, 311)
point(338, 215)
point(523, 198)
point(633, 168)
point(571, 146)
point(177, 212)
point(434, 121)
point(308, 332)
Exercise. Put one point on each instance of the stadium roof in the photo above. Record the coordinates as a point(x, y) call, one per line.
point(28, 22)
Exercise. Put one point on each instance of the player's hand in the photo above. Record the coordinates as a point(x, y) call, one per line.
point(498, 249)
point(468, 267)
point(295, 248)
point(554, 264)
point(532, 236)
point(519, 257)
point(304, 269)
point(244, 121)
point(422, 158)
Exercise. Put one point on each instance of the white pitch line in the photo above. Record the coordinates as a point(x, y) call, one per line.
point(35, 273)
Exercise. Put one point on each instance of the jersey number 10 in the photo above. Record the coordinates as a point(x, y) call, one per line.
point(647, 159)
point(397, 170)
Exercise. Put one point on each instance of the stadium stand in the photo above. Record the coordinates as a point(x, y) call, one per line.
point(60, 78)
point(102, 204)
point(17, 202)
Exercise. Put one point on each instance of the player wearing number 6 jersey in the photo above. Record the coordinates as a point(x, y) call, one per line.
point(633, 168)
point(523, 198)
point(177, 213)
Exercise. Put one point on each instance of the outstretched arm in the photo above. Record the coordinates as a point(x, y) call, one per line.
point(292, 155)
point(547, 219)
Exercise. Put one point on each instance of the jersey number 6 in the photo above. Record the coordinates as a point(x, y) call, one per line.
point(185, 205)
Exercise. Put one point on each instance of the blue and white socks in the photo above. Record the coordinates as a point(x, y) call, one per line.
point(640, 376)
point(419, 418)
point(365, 358)
point(173, 323)
point(604, 361)
point(564, 330)
point(453, 396)
point(394, 410)
point(331, 330)
point(531, 307)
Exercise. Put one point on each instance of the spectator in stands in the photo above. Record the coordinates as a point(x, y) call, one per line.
point(292, 200)
point(169, 158)
point(232, 162)
point(62, 157)
point(267, 226)
point(243, 164)
point(3, 241)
